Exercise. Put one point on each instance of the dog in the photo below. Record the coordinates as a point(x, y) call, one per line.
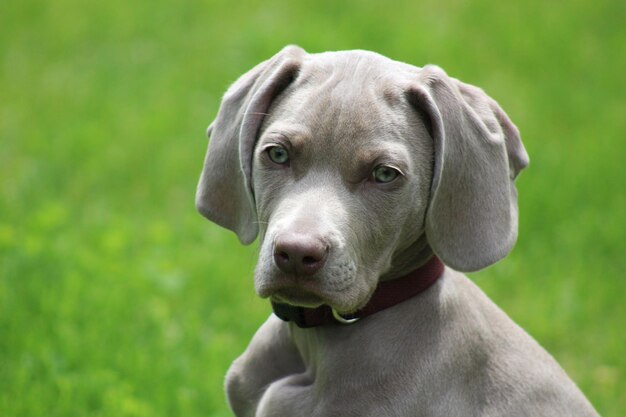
point(372, 185)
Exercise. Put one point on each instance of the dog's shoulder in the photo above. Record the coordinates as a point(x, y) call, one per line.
point(500, 357)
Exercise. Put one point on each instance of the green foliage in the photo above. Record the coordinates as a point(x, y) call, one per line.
point(117, 299)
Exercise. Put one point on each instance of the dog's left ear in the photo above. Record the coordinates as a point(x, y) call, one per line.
point(472, 216)
point(224, 194)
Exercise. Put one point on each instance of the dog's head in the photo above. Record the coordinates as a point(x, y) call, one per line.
point(351, 166)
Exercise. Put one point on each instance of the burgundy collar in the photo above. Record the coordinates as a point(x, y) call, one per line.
point(387, 294)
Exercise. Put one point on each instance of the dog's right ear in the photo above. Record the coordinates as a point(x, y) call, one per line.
point(224, 194)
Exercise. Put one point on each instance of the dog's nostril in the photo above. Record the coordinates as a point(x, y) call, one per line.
point(300, 254)
point(284, 256)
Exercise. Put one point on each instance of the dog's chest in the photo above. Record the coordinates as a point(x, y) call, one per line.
point(299, 395)
point(344, 376)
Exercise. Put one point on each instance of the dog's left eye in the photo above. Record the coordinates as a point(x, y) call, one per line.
point(278, 155)
point(383, 174)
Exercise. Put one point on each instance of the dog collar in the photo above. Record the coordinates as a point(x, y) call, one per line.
point(387, 294)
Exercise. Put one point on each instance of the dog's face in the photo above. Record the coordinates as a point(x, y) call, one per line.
point(341, 175)
point(351, 165)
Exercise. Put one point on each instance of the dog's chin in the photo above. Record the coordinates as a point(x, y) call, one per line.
point(297, 297)
point(345, 296)
point(281, 290)
point(345, 302)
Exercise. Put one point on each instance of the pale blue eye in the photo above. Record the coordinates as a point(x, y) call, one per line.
point(384, 174)
point(278, 154)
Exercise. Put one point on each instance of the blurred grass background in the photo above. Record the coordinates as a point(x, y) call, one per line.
point(117, 299)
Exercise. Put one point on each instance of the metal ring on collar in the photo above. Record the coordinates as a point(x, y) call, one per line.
point(342, 319)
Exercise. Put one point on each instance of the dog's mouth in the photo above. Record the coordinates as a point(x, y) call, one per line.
point(297, 297)
point(336, 285)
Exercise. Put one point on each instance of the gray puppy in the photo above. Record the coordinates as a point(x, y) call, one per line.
point(363, 176)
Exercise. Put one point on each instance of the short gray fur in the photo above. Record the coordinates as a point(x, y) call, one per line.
point(447, 352)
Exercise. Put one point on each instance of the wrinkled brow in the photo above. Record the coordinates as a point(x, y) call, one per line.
point(364, 160)
point(296, 138)
point(395, 155)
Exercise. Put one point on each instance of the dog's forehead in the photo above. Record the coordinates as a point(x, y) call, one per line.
point(353, 77)
point(352, 98)
point(355, 64)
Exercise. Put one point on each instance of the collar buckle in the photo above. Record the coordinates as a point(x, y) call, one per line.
point(345, 320)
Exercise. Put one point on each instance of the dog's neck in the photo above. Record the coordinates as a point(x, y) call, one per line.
point(408, 259)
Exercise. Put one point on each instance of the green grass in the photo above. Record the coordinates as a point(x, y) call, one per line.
point(117, 299)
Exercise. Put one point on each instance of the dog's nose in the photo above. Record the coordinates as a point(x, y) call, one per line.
point(300, 254)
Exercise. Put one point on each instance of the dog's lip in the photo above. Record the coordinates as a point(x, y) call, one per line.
point(301, 292)
point(309, 292)
point(298, 297)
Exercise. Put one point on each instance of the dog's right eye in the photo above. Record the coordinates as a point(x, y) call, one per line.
point(278, 155)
